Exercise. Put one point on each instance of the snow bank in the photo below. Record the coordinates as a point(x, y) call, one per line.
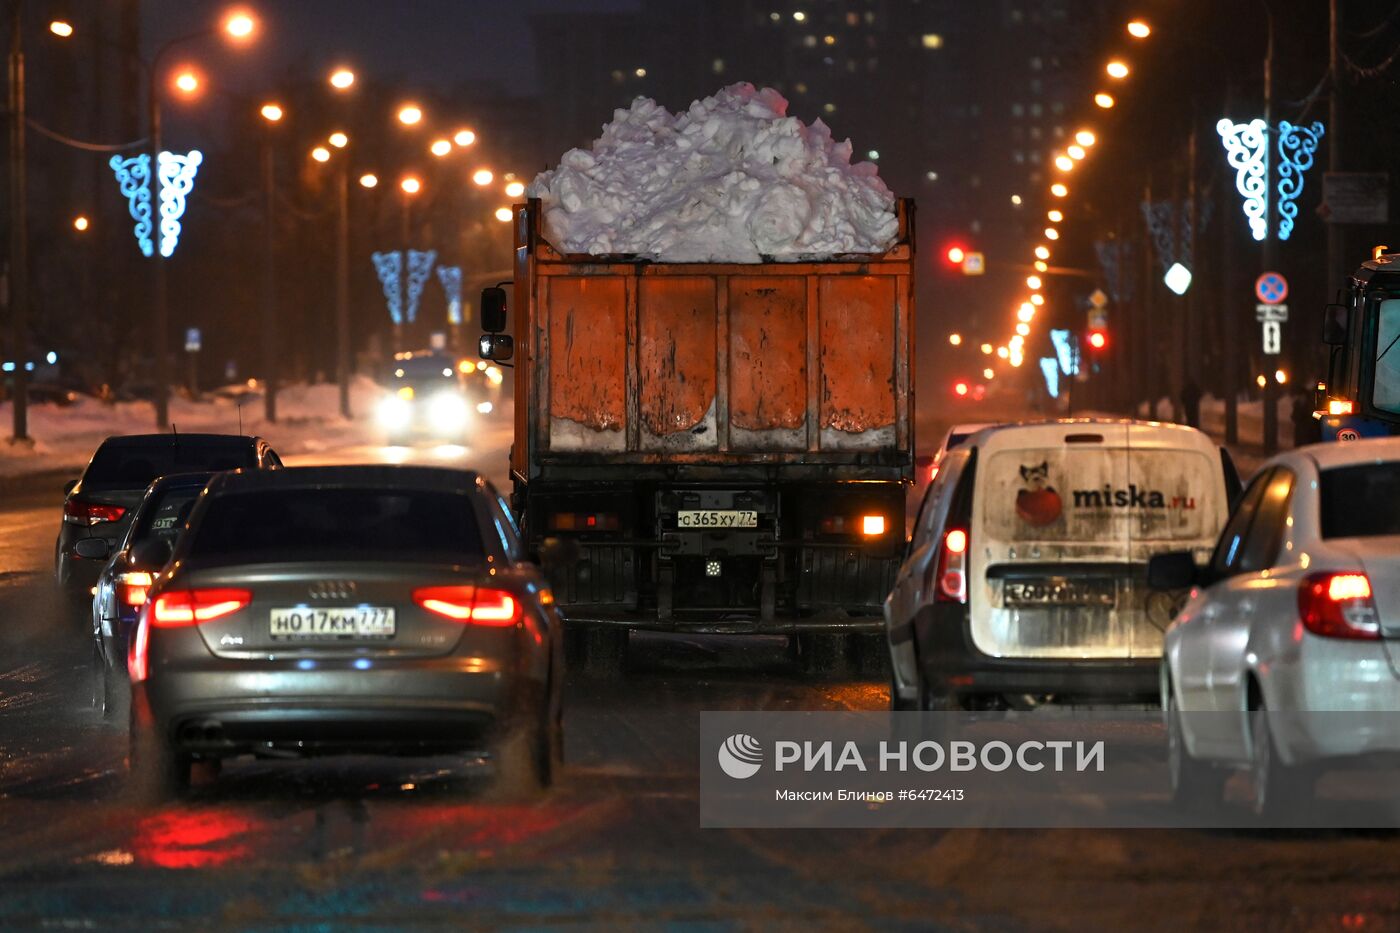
point(732, 179)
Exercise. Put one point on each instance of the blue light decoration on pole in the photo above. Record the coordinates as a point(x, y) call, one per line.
point(1297, 146)
point(389, 267)
point(420, 266)
point(175, 180)
point(451, 279)
point(1050, 368)
point(134, 179)
point(1247, 150)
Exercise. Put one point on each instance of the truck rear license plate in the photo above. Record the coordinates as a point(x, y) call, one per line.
point(1058, 592)
point(716, 518)
point(332, 624)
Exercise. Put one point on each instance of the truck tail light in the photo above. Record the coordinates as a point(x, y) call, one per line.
point(1339, 605)
point(1338, 406)
point(585, 521)
point(473, 605)
point(179, 608)
point(132, 587)
point(950, 584)
point(82, 512)
point(872, 526)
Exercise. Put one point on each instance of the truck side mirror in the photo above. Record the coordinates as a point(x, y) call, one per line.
point(493, 310)
point(1334, 326)
point(496, 347)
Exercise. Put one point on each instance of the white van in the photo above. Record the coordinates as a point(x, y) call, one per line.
point(1026, 575)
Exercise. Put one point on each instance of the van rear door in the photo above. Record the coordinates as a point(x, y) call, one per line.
point(1063, 529)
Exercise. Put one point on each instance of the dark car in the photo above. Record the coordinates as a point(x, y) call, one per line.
point(429, 397)
point(129, 575)
point(347, 610)
point(99, 505)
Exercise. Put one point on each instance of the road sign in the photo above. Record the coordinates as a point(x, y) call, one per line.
point(1098, 299)
point(1271, 312)
point(1273, 337)
point(1356, 197)
point(974, 264)
point(192, 340)
point(1271, 288)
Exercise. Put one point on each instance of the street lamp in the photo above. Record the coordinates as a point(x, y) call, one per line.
point(410, 185)
point(187, 82)
point(342, 79)
point(441, 147)
point(272, 113)
point(1085, 138)
point(338, 140)
point(515, 189)
point(80, 223)
point(410, 115)
point(464, 138)
point(240, 25)
point(1055, 216)
point(504, 214)
point(321, 154)
point(1104, 100)
point(1059, 190)
point(1116, 69)
point(483, 177)
point(1139, 30)
point(1064, 163)
point(61, 28)
point(955, 339)
point(369, 180)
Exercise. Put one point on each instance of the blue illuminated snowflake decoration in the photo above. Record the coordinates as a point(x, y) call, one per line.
point(420, 266)
point(1247, 149)
point(176, 182)
point(1297, 146)
point(1066, 351)
point(389, 267)
point(1050, 367)
point(134, 179)
point(451, 279)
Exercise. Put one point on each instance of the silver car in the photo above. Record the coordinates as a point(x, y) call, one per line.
point(1284, 660)
point(346, 609)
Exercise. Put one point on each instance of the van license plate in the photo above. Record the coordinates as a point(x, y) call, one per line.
point(1058, 592)
point(716, 518)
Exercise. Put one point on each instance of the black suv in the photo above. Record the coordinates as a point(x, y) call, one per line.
point(100, 505)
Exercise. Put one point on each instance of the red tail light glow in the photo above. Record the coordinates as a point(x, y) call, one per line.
point(1339, 605)
point(470, 604)
point(132, 587)
point(950, 584)
point(81, 512)
point(191, 607)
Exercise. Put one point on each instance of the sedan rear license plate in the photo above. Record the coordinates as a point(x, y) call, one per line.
point(332, 623)
point(716, 518)
point(1058, 592)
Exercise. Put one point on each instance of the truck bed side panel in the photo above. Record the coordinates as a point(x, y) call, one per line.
point(768, 362)
point(587, 363)
point(677, 369)
point(858, 346)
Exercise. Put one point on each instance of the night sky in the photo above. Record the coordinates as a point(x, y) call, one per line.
point(426, 43)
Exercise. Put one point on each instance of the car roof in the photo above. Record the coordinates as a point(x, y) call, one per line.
point(1332, 454)
point(173, 440)
point(371, 476)
point(196, 480)
point(1115, 431)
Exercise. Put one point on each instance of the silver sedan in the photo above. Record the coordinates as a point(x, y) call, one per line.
point(1285, 658)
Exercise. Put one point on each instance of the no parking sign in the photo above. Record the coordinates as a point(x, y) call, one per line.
point(1271, 288)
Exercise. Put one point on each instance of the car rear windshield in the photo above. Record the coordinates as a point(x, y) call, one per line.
point(127, 467)
point(1361, 501)
point(338, 524)
point(165, 517)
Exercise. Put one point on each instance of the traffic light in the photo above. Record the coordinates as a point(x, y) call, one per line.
point(1097, 339)
point(956, 254)
point(960, 388)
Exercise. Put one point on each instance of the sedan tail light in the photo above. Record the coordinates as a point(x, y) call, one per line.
point(132, 587)
point(472, 605)
point(82, 512)
point(190, 607)
point(950, 584)
point(1339, 605)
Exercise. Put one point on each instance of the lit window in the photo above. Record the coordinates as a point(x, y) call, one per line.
point(718, 66)
point(829, 108)
point(932, 40)
point(829, 39)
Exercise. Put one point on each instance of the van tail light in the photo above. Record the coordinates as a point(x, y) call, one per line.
point(1339, 605)
point(82, 512)
point(1337, 406)
point(132, 588)
point(470, 605)
point(178, 608)
point(950, 584)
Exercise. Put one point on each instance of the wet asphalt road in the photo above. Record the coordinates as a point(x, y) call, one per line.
point(390, 844)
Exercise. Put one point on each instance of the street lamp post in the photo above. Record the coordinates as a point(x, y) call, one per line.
point(269, 278)
point(342, 285)
point(19, 240)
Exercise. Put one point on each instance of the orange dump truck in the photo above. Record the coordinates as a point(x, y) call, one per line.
point(710, 447)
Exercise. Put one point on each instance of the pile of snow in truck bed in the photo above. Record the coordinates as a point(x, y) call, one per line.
point(732, 179)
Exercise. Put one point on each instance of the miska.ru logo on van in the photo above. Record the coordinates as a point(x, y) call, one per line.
point(1133, 497)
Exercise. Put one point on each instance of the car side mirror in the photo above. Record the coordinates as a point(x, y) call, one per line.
point(496, 347)
point(1172, 571)
point(153, 552)
point(93, 548)
point(493, 310)
point(1334, 325)
point(69, 486)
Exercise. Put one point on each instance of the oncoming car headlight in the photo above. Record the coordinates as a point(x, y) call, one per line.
point(394, 412)
point(447, 411)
